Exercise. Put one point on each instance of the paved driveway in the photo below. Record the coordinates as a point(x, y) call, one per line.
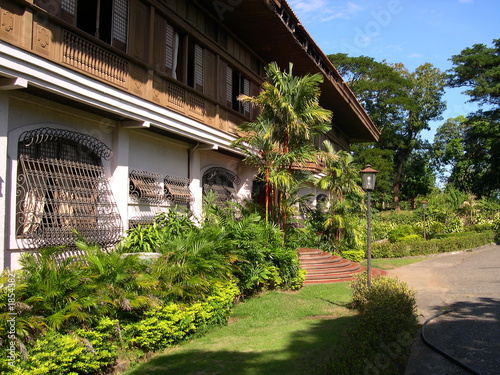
point(469, 284)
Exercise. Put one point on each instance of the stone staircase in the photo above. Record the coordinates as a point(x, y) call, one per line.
point(323, 267)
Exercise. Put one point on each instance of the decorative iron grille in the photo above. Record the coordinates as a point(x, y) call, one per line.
point(177, 190)
point(145, 187)
point(62, 189)
point(221, 182)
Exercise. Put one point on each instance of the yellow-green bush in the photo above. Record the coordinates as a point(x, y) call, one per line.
point(171, 324)
point(381, 337)
point(83, 352)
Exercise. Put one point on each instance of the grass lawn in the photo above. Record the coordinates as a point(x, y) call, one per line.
point(391, 263)
point(275, 333)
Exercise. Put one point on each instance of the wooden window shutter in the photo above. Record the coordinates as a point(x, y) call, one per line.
point(159, 43)
point(139, 21)
point(209, 76)
point(120, 29)
point(169, 49)
point(222, 87)
point(229, 87)
point(246, 91)
point(198, 67)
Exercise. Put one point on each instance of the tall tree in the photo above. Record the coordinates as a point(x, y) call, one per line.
point(424, 104)
point(478, 69)
point(448, 148)
point(418, 176)
point(401, 104)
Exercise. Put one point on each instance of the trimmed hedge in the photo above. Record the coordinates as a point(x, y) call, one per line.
point(379, 341)
point(453, 242)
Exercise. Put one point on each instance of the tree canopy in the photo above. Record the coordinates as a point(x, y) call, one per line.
point(401, 103)
point(477, 169)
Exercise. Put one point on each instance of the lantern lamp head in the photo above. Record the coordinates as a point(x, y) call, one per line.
point(424, 204)
point(368, 178)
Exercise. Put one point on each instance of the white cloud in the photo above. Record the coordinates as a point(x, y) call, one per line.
point(322, 10)
point(415, 55)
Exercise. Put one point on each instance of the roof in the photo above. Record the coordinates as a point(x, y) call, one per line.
point(273, 31)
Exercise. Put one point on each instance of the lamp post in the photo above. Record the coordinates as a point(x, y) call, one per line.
point(368, 184)
point(424, 206)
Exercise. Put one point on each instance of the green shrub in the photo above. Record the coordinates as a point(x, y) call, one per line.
point(380, 339)
point(402, 231)
point(84, 352)
point(451, 242)
point(354, 255)
point(410, 238)
point(482, 227)
point(298, 281)
point(169, 325)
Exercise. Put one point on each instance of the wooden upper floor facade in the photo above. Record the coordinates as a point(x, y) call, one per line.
point(191, 57)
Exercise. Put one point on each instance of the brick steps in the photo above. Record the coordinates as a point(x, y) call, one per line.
point(323, 267)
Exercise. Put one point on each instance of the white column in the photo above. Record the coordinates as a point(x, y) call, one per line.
point(4, 227)
point(120, 171)
point(196, 188)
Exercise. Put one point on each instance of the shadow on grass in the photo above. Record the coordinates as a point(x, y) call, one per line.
point(469, 333)
point(308, 352)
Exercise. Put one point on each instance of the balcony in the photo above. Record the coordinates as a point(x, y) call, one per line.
point(55, 40)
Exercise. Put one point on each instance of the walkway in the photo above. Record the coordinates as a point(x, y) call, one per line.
point(469, 284)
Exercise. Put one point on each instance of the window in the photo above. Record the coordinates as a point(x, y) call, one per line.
point(62, 188)
point(174, 56)
point(220, 182)
point(237, 84)
point(104, 19)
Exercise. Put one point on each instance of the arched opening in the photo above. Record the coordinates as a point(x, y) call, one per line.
point(62, 190)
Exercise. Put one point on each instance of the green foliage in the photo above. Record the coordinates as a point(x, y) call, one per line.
point(380, 340)
point(477, 168)
point(400, 233)
point(173, 323)
point(282, 135)
point(83, 352)
point(354, 255)
point(152, 237)
point(455, 242)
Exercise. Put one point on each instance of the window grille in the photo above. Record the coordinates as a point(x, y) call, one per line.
point(120, 20)
point(177, 190)
point(145, 187)
point(69, 6)
point(221, 182)
point(62, 188)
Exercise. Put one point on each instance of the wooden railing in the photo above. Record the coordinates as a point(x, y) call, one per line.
point(90, 58)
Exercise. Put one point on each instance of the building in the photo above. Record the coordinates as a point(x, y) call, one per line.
point(111, 111)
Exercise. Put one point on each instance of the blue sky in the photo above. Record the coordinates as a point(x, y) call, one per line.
point(412, 32)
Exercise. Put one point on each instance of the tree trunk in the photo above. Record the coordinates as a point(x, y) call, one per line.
point(397, 180)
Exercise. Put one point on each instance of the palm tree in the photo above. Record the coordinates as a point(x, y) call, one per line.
point(341, 179)
point(291, 104)
point(283, 133)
